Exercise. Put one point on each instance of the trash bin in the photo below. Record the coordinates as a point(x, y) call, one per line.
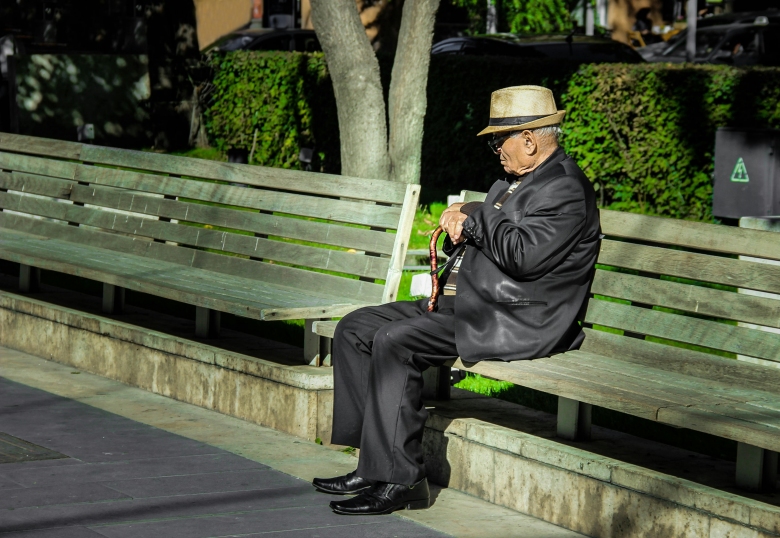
point(747, 173)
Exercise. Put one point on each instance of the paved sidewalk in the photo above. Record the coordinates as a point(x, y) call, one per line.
point(123, 462)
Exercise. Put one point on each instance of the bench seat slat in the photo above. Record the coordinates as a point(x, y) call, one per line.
point(291, 180)
point(294, 204)
point(711, 334)
point(349, 289)
point(240, 296)
point(688, 298)
point(715, 269)
point(682, 361)
point(697, 235)
point(579, 367)
point(715, 421)
point(251, 221)
point(319, 258)
point(660, 380)
point(34, 184)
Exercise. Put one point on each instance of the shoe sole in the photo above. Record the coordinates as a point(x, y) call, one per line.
point(333, 492)
point(423, 504)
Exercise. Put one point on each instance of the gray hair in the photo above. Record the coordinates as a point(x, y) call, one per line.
point(548, 134)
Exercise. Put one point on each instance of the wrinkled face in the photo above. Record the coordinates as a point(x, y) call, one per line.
point(519, 152)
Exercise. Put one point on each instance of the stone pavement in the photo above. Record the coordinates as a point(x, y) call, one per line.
point(122, 462)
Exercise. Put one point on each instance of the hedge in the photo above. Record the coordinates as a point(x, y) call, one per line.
point(643, 133)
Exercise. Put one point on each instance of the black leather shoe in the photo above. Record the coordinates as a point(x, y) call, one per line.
point(349, 484)
point(383, 498)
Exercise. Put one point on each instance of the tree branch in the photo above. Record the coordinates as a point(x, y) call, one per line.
point(354, 70)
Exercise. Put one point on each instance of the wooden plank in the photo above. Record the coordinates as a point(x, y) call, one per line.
point(702, 267)
point(293, 204)
point(688, 298)
point(40, 146)
point(158, 278)
point(274, 178)
point(710, 419)
point(681, 361)
point(39, 166)
point(34, 184)
point(740, 340)
point(331, 311)
point(406, 221)
point(473, 196)
point(347, 289)
point(300, 255)
point(325, 328)
point(524, 374)
point(659, 379)
point(261, 223)
point(698, 235)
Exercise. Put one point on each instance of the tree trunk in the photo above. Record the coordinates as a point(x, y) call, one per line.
point(407, 100)
point(354, 71)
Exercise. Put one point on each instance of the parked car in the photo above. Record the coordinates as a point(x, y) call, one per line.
point(727, 39)
point(267, 39)
point(577, 48)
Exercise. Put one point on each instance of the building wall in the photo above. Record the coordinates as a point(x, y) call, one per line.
point(218, 17)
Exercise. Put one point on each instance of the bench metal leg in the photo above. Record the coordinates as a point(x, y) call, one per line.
point(207, 322)
point(311, 344)
point(113, 299)
point(573, 419)
point(756, 468)
point(436, 383)
point(29, 279)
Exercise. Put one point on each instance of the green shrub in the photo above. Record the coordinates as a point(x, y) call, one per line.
point(276, 102)
point(643, 133)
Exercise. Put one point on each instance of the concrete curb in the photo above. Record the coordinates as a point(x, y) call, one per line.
point(567, 486)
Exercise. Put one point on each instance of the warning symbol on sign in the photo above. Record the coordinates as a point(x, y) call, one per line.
point(740, 174)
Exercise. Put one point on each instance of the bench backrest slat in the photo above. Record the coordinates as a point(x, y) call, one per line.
point(688, 298)
point(714, 269)
point(689, 330)
point(342, 228)
point(666, 269)
point(694, 235)
point(289, 180)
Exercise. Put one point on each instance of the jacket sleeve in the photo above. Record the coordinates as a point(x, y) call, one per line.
point(530, 245)
point(498, 187)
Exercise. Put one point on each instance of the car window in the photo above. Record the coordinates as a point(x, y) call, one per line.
point(277, 42)
point(772, 45)
point(706, 42)
point(739, 45)
point(307, 43)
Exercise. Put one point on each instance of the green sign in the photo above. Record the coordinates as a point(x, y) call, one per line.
point(740, 174)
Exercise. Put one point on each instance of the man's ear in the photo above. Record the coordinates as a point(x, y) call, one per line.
point(529, 142)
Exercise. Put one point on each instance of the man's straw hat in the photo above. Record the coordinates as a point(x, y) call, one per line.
point(522, 107)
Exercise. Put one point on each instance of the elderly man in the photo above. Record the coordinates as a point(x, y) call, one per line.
point(519, 272)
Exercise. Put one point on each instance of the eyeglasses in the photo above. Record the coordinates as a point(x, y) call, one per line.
point(497, 142)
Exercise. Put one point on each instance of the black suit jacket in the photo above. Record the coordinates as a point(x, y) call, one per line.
point(527, 270)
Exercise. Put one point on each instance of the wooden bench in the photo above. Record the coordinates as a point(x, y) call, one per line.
point(649, 291)
point(263, 243)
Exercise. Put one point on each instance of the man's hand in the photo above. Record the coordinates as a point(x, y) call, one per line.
point(452, 222)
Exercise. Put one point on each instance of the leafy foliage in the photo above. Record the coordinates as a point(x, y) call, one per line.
point(643, 133)
point(276, 103)
point(520, 16)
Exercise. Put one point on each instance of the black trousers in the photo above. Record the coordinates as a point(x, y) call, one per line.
point(379, 355)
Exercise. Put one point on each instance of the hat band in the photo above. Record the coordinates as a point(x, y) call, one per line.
point(515, 120)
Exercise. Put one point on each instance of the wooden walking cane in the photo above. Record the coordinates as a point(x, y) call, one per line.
point(434, 269)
